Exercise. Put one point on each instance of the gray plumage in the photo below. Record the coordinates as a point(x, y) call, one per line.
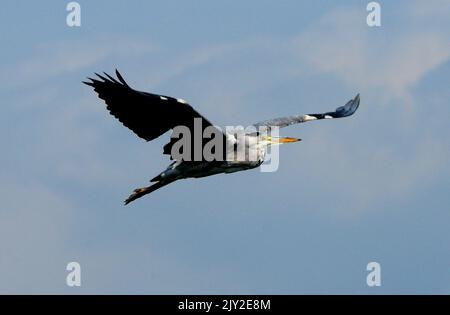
point(151, 115)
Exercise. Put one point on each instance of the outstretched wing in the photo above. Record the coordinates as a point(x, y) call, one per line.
point(147, 115)
point(343, 111)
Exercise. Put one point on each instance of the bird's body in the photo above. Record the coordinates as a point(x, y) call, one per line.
point(197, 169)
point(151, 115)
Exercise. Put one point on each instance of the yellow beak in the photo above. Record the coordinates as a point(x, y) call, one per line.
point(288, 140)
point(274, 140)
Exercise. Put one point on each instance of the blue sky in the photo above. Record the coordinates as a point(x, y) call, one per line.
point(373, 187)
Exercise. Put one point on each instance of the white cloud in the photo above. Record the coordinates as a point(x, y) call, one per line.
point(340, 43)
point(67, 56)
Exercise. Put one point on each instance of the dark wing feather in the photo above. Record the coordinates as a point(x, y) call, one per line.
point(147, 115)
point(342, 111)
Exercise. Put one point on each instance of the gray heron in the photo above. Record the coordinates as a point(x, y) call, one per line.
point(151, 115)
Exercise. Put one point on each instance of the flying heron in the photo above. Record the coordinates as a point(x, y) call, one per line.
point(151, 115)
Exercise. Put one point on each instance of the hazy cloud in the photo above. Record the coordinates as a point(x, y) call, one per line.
point(67, 56)
point(341, 44)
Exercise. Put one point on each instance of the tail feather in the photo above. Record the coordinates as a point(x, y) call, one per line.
point(139, 192)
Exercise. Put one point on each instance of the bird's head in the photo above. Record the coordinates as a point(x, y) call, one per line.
point(278, 140)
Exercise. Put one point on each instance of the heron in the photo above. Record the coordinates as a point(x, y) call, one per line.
point(151, 115)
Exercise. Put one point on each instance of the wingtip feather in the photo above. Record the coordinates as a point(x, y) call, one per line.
point(88, 83)
point(111, 78)
point(121, 79)
point(101, 77)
